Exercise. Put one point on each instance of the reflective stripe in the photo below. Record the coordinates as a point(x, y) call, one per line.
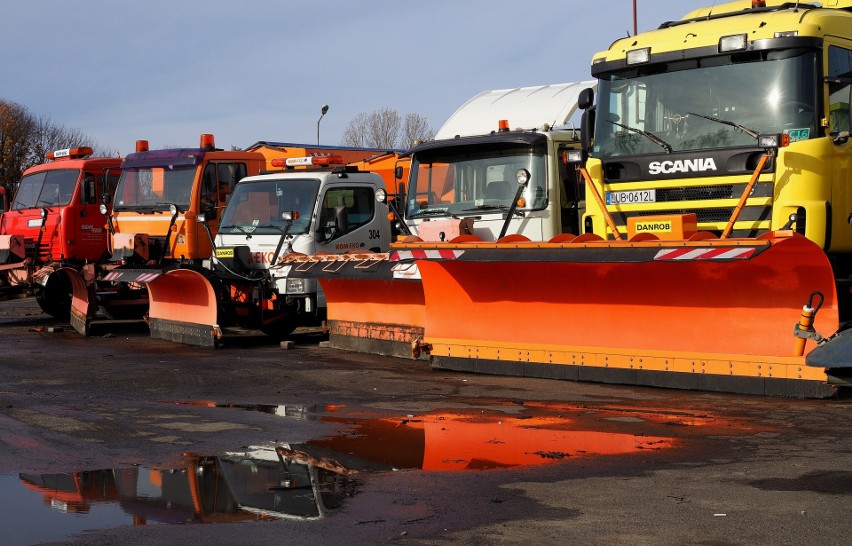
point(440, 254)
point(685, 254)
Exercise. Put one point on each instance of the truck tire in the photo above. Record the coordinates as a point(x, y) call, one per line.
point(279, 329)
point(55, 297)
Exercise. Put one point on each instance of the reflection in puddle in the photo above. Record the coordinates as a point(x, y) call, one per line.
point(286, 482)
point(457, 441)
point(312, 479)
point(262, 484)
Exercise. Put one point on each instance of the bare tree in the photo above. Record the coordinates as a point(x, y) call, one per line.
point(48, 137)
point(384, 128)
point(415, 128)
point(16, 130)
point(355, 133)
point(25, 140)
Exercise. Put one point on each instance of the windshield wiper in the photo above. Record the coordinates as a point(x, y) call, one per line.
point(430, 212)
point(133, 208)
point(279, 229)
point(751, 132)
point(486, 207)
point(249, 233)
point(650, 136)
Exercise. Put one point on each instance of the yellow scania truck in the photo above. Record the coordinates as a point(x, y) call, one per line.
point(716, 241)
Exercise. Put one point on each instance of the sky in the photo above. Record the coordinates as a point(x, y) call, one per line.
point(261, 70)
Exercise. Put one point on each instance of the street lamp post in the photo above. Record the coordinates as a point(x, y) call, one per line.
point(323, 112)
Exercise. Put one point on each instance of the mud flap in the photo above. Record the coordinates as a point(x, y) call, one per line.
point(183, 307)
point(624, 310)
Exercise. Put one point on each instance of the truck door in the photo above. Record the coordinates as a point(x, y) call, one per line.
point(348, 220)
point(839, 90)
point(219, 179)
point(92, 239)
point(572, 194)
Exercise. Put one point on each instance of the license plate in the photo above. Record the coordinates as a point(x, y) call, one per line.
point(631, 197)
point(35, 222)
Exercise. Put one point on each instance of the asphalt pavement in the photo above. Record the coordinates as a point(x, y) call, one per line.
point(120, 439)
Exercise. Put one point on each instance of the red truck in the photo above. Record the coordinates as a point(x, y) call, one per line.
point(54, 225)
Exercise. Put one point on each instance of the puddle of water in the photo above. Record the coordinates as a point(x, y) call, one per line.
point(31, 518)
point(476, 440)
point(460, 441)
point(832, 482)
point(310, 480)
point(290, 411)
point(260, 485)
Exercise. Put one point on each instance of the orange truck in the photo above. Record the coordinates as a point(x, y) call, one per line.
point(55, 228)
point(152, 223)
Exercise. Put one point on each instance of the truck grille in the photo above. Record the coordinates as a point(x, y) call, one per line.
point(719, 191)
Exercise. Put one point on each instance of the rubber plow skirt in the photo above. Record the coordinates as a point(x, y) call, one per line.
point(698, 315)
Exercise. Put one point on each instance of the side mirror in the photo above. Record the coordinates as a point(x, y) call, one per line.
point(319, 235)
point(341, 220)
point(397, 172)
point(586, 98)
point(587, 128)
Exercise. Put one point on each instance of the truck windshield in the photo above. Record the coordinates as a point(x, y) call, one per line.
point(472, 180)
point(256, 207)
point(155, 188)
point(698, 103)
point(46, 189)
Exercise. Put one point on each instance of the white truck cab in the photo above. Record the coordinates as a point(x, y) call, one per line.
point(334, 210)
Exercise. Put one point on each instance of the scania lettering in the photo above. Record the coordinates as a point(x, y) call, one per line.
point(685, 166)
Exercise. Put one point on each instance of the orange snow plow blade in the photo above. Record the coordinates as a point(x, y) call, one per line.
point(702, 314)
point(184, 308)
point(373, 305)
point(84, 305)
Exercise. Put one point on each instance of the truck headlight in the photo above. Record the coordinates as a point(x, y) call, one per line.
point(295, 286)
